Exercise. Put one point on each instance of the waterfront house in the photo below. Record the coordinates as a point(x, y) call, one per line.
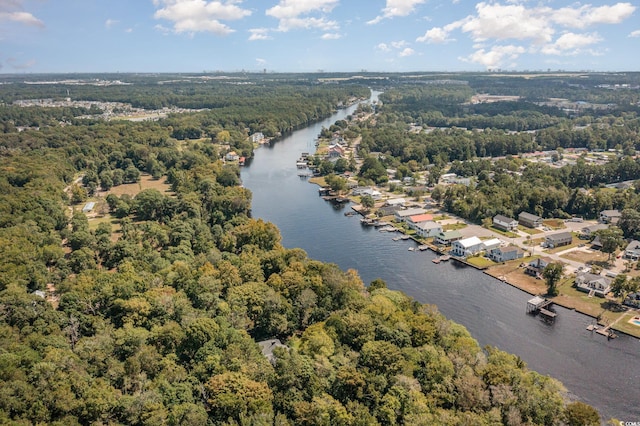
point(593, 284)
point(395, 202)
point(529, 220)
point(414, 220)
point(403, 215)
point(632, 300)
point(232, 156)
point(536, 266)
point(491, 244)
point(504, 223)
point(374, 193)
point(610, 216)
point(388, 210)
point(257, 137)
point(447, 238)
point(632, 252)
point(504, 254)
point(587, 232)
point(557, 240)
point(335, 151)
point(467, 247)
point(428, 229)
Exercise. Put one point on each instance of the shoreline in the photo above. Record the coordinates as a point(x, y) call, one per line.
point(487, 271)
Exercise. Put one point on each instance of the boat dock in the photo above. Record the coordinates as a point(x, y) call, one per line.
point(539, 305)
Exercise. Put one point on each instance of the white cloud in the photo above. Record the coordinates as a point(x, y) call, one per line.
point(192, 16)
point(259, 34)
point(24, 18)
point(261, 61)
point(331, 36)
point(398, 44)
point(305, 14)
point(588, 15)
point(400, 48)
point(128, 30)
point(13, 11)
point(537, 28)
point(435, 35)
point(110, 23)
point(514, 21)
point(407, 51)
point(396, 8)
point(570, 43)
point(496, 56)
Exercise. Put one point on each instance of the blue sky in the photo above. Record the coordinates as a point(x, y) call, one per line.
point(311, 35)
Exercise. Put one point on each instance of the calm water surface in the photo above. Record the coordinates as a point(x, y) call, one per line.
point(605, 374)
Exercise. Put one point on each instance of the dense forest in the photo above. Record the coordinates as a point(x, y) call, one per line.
point(152, 316)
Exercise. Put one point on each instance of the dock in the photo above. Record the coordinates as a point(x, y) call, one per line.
point(539, 305)
point(604, 331)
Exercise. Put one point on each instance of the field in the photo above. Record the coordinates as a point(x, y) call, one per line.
point(146, 182)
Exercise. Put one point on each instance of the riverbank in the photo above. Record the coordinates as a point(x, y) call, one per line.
point(512, 273)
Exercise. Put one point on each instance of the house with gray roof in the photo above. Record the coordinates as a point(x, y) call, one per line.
point(504, 223)
point(529, 220)
point(632, 251)
point(557, 240)
point(593, 284)
point(610, 216)
point(504, 254)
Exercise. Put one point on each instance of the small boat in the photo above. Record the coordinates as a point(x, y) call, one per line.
point(411, 249)
point(423, 247)
point(436, 260)
point(445, 257)
point(405, 237)
point(396, 238)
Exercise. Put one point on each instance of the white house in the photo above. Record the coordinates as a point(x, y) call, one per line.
point(491, 244)
point(232, 156)
point(257, 137)
point(467, 247)
point(504, 254)
point(592, 283)
point(374, 193)
point(505, 223)
point(428, 229)
point(632, 251)
point(395, 202)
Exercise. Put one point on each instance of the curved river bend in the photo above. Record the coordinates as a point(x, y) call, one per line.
point(602, 373)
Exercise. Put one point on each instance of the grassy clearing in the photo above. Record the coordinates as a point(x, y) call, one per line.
point(502, 232)
point(146, 182)
point(530, 231)
point(481, 262)
point(586, 256)
point(554, 223)
point(454, 226)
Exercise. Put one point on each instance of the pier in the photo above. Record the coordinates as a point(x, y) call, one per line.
point(539, 305)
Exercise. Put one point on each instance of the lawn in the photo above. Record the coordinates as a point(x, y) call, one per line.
point(502, 232)
point(454, 226)
point(530, 231)
point(146, 182)
point(480, 262)
point(554, 223)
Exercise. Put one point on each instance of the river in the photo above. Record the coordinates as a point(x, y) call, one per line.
point(603, 373)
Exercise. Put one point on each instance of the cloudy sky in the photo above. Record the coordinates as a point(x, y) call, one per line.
point(312, 35)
